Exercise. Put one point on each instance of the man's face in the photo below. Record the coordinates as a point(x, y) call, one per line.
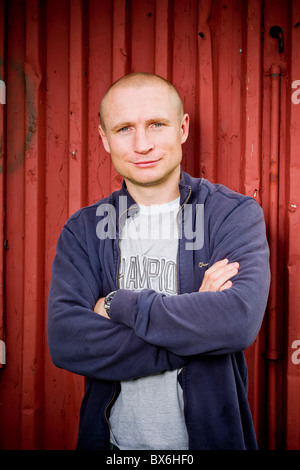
point(144, 133)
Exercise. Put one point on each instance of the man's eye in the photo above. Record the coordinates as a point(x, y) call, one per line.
point(157, 124)
point(124, 130)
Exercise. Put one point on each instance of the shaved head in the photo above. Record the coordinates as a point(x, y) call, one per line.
point(139, 80)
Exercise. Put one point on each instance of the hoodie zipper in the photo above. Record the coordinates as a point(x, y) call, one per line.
point(108, 405)
point(179, 210)
point(183, 368)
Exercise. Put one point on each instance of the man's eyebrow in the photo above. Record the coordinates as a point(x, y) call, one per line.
point(159, 119)
point(120, 125)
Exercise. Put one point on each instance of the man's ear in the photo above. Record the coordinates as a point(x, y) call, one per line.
point(104, 139)
point(185, 128)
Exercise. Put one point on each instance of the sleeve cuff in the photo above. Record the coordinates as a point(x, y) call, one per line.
point(123, 307)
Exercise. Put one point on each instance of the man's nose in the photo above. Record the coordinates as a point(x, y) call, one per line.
point(142, 142)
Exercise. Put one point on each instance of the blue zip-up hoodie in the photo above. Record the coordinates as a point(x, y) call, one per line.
point(205, 333)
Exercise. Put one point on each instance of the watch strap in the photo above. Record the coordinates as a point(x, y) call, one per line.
point(107, 301)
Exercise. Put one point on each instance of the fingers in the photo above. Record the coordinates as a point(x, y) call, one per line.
point(225, 286)
point(218, 276)
point(99, 308)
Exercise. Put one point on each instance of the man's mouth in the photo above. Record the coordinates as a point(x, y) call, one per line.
point(146, 163)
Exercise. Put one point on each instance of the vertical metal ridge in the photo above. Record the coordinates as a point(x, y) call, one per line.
point(272, 352)
point(33, 304)
point(2, 183)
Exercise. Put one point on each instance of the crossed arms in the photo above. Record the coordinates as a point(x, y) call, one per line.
point(148, 332)
point(216, 278)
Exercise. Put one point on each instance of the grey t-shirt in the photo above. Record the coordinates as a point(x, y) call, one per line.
point(148, 413)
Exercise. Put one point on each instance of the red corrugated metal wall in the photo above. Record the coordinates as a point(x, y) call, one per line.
point(57, 58)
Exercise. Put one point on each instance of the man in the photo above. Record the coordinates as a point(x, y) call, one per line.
point(157, 289)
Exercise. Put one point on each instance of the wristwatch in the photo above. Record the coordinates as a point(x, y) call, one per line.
point(107, 301)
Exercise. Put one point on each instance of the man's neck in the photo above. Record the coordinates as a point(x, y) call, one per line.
point(156, 194)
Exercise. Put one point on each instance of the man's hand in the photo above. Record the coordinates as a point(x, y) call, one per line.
point(217, 277)
point(99, 308)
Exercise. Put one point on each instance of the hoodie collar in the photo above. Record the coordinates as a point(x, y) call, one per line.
point(184, 188)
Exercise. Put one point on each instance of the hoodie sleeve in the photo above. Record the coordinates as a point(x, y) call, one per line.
point(82, 341)
point(209, 322)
